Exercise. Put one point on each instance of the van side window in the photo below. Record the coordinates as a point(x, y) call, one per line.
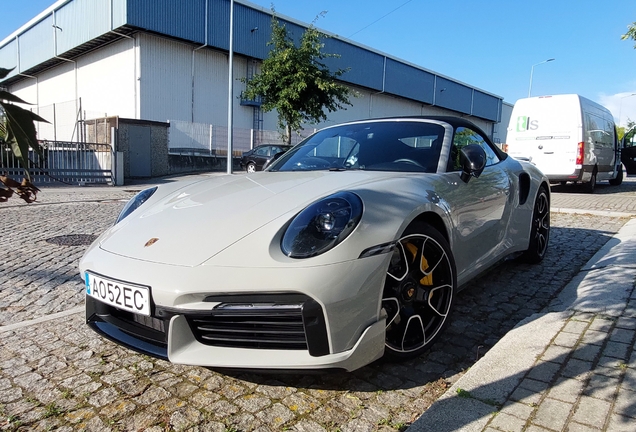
point(463, 137)
point(599, 131)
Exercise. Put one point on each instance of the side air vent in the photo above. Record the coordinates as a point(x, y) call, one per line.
point(524, 188)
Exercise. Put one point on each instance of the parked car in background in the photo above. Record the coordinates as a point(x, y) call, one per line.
point(350, 246)
point(628, 155)
point(255, 159)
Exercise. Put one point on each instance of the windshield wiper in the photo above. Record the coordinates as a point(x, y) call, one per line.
point(343, 168)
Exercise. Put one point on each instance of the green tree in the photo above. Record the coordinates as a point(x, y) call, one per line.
point(295, 82)
point(631, 33)
point(630, 130)
point(18, 136)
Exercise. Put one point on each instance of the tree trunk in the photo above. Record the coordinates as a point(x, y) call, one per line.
point(288, 133)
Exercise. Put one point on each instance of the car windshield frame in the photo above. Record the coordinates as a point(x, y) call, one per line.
point(380, 145)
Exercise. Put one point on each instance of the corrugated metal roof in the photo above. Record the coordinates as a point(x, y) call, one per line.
point(70, 27)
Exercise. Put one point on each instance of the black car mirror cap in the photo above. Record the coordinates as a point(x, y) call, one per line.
point(473, 160)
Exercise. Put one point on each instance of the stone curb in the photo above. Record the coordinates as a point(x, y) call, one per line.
point(472, 401)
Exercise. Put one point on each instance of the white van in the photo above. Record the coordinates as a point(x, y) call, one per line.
point(568, 137)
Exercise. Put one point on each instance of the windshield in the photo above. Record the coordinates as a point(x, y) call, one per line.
point(374, 146)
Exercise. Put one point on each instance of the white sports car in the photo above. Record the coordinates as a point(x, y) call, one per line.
point(350, 246)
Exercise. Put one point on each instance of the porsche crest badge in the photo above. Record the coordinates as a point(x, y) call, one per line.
point(151, 242)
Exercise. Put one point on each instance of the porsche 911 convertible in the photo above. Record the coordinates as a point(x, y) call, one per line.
point(350, 246)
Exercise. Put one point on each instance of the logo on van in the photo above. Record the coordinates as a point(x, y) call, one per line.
point(524, 124)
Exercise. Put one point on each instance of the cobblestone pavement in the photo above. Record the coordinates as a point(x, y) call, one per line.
point(59, 375)
point(606, 198)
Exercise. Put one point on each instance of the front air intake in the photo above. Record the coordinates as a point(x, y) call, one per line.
point(262, 321)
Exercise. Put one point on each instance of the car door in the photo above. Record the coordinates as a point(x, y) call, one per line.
point(479, 209)
point(261, 155)
point(628, 156)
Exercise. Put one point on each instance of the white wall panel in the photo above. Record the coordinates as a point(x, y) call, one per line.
point(165, 74)
point(27, 90)
point(210, 87)
point(243, 116)
point(106, 80)
point(57, 84)
point(178, 83)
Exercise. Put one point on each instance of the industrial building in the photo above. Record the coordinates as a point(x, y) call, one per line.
point(151, 77)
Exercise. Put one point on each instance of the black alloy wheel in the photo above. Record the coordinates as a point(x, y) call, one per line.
point(619, 177)
point(540, 230)
point(418, 291)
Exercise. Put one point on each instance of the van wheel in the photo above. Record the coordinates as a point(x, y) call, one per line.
point(589, 187)
point(619, 177)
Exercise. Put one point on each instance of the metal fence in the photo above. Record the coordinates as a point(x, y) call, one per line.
point(208, 140)
point(64, 162)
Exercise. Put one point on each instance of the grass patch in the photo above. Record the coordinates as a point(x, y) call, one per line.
point(51, 410)
point(463, 393)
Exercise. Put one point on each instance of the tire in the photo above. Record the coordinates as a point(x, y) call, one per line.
point(619, 177)
point(591, 186)
point(251, 167)
point(419, 290)
point(540, 229)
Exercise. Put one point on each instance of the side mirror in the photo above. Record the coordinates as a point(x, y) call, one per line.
point(473, 160)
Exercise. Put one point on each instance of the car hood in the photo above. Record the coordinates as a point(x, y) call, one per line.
point(188, 226)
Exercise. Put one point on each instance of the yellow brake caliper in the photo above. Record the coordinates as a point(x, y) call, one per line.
point(428, 279)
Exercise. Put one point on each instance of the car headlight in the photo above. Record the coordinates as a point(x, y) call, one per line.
point(135, 202)
point(322, 225)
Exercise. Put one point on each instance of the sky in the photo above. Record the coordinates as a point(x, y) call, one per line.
point(494, 45)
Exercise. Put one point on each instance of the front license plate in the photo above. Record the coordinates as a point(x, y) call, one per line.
point(122, 295)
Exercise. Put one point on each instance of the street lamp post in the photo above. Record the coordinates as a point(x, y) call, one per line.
point(230, 101)
point(620, 109)
point(532, 71)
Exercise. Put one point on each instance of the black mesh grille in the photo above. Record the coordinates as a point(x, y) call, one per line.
point(136, 324)
point(141, 333)
point(252, 326)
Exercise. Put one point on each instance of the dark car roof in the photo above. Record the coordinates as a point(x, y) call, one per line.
point(277, 145)
point(453, 121)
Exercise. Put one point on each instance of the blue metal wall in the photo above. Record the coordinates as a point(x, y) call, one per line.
point(94, 22)
point(79, 21)
point(8, 55)
point(365, 67)
point(36, 45)
point(176, 18)
point(453, 95)
point(485, 105)
point(66, 25)
point(409, 82)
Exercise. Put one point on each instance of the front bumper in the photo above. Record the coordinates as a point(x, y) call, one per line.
point(331, 319)
point(185, 343)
